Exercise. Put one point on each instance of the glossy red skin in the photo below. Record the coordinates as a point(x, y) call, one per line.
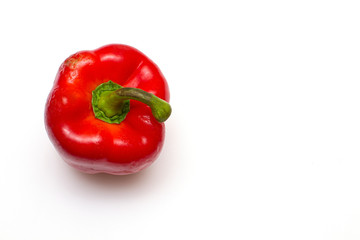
point(92, 145)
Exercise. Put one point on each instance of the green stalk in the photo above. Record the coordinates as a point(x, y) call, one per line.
point(111, 102)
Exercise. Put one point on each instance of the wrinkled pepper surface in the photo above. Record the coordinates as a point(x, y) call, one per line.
point(106, 110)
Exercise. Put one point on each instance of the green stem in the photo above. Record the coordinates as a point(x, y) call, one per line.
point(111, 102)
point(159, 108)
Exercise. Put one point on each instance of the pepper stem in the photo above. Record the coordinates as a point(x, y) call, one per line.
point(160, 109)
point(111, 102)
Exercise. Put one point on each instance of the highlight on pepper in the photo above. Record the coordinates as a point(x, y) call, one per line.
point(106, 110)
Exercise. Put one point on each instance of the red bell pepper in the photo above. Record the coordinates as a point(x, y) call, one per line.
point(106, 110)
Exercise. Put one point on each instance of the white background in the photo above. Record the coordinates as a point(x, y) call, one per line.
point(264, 138)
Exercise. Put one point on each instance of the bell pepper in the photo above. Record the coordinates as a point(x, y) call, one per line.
point(106, 110)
